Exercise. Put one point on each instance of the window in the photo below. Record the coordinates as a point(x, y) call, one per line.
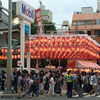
point(88, 22)
point(98, 22)
point(74, 24)
point(85, 22)
point(97, 32)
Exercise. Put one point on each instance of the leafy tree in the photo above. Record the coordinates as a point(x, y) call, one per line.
point(48, 27)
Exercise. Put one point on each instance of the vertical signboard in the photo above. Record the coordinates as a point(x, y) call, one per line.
point(40, 27)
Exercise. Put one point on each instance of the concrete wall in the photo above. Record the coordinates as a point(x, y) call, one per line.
point(3, 41)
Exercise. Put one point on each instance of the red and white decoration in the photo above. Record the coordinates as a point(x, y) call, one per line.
point(39, 21)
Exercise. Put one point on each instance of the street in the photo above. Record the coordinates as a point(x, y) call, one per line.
point(53, 98)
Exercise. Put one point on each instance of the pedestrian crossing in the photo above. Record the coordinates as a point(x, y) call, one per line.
point(86, 96)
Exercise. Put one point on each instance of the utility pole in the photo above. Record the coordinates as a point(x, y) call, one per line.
point(9, 54)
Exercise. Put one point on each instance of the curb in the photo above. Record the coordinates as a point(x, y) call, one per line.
point(8, 95)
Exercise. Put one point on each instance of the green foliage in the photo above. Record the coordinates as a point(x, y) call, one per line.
point(34, 28)
point(48, 27)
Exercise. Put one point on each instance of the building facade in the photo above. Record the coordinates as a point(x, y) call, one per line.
point(87, 22)
point(46, 14)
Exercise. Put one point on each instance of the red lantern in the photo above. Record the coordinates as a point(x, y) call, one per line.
point(78, 39)
point(13, 57)
point(5, 57)
point(3, 50)
point(12, 50)
point(18, 56)
point(73, 39)
point(67, 39)
point(25, 56)
point(6, 50)
point(0, 57)
point(32, 57)
point(45, 40)
point(32, 42)
point(41, 40)
point(53, 40)
point(37, 40)
point(19, 50)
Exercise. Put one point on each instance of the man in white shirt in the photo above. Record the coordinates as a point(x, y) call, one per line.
point(94, 81)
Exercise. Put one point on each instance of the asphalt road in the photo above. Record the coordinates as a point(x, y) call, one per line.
point(53, 98)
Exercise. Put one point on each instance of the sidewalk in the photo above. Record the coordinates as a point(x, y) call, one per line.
point(2, 95)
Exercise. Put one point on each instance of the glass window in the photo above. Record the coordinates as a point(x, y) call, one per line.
point(74, 23)
point(97, 32)
point(97, 21)
point(88, 22)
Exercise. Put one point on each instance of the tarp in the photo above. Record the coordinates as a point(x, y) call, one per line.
point(86, 64)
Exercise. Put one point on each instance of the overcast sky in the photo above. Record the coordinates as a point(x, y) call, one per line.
point(61, 9)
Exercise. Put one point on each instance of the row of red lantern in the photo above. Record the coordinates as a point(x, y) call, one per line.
point(64, 52)
point(52, 56)
point(64, 40)
point(69, 53)
point(14, 57)
point(5, 50)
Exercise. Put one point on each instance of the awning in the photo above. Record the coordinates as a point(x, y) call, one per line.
point(86, 64)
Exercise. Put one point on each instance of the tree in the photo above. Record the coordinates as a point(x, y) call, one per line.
point(48, 27)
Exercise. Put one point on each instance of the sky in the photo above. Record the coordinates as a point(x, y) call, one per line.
point(61, 9)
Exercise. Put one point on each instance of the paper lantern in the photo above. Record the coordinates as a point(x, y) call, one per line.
point(0, 57)
point(18, 56)
point(25, 56)
point(13, 57)
point(6, 50)
point(3, 50)
point(32, 57)
point(53, 40)
point(19, 50)
point(12, 50)
point(5, 57)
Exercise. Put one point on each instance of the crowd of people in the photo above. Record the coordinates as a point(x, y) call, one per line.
point(52, 83)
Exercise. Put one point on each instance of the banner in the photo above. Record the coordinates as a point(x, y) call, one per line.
point(40, 27)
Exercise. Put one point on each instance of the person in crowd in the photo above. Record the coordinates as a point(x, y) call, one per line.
point(99, 84)
point(46, 83)
point(3, 80)
point(26, 84)
point(51, 84)
point(30, 89)
point(14, 82)
point(78, 84)
point(37, 81)
point(69, 79)
point(57, 87)
point(86, 83)
point(95, 84)
point(41, 75)
point(19, 86)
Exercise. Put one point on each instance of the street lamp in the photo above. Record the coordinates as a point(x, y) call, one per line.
point(9, 54)
point(16, 21)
